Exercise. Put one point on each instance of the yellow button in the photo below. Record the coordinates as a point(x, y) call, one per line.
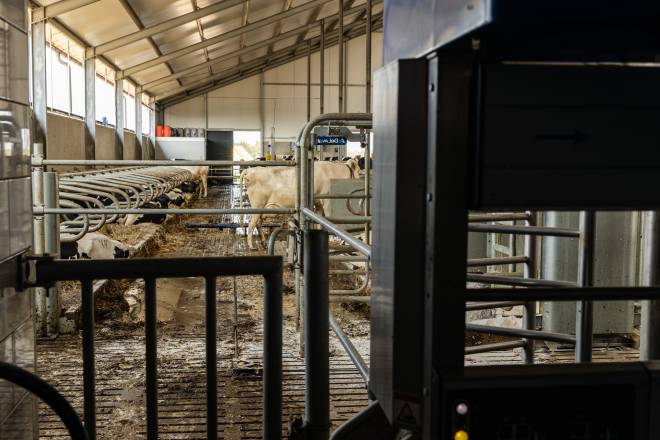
point(461, 435)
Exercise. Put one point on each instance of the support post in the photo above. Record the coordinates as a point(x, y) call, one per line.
point(317, 361)
point(367, 185)
point(39, 239)
point(322, 69)
point(40, 84)
point(120, 119)
point(650, 325)
point(152, 135)
point(309, 81)
point(529, 271)
point(138, 124)
point(367, 91)
point(90, 109)
point(52, 247)
point(584, 314)
point(340, 45)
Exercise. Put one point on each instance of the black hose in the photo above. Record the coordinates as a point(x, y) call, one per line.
point(48, 394)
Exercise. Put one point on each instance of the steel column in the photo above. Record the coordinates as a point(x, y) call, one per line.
point(367, 185)
point(309, 81)
point(322, 69)
point(367, 91)
point(120, 119)
point(317, 361)
point(151, 363)
point(272, 355)
point(52, 247)
point(40, 85)
point(151, 146)
point(138, 124)
point(89, 369)
point(650, 325)
point(211, 361)
point(340, 45)
point(39, 239)
point(529, 271)
point(584, 313)
point(90, 108)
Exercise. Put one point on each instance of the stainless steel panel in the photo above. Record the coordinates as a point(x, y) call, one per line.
point(6, 389)
point(616, 254)
point(24, 339)
point(14, 140)
point(5, 247)
point(14, 77)
point(14, 11)
point(21, 425)
point(415, 27)
point(397, 299)
point(15, 308)
point(20, 214)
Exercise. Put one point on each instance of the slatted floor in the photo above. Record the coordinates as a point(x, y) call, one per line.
point(120, 385)
point(613, 353)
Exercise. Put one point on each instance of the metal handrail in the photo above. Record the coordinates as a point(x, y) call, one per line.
point(37, 162)
point(359, 245)
point(350, 349)
point(528, 334)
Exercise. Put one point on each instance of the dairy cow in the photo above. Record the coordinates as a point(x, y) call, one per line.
point(199, 174)
point(274, 187)
point(94, 246)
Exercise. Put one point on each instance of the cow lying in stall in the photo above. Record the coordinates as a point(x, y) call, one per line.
point(274, 187)
point(94, 246)
point(173, 198)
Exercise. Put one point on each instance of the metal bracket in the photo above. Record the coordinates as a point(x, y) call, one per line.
point(27, 271)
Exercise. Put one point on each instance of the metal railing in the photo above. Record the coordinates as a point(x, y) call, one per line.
point(529, 280)
point(45, 272)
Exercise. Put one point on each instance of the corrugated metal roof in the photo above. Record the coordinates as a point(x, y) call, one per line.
point(275, 31)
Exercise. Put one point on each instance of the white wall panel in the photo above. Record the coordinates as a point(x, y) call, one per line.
point(188, 114)
point(281, 94)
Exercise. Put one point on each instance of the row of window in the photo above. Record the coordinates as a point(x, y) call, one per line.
point(65, 85)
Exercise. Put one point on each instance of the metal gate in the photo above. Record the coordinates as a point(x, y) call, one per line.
point(45, 271)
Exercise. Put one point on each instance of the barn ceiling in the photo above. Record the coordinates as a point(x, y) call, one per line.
point(176, 49)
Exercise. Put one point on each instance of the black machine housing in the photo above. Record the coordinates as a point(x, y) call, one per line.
point(498, 105)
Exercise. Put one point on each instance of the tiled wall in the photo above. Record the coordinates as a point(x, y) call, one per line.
point(17, 408)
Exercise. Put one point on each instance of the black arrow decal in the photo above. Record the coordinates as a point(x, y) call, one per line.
point(576, 137)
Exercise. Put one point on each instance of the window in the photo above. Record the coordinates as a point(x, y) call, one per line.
point(77, 89)
point(129, 111)
point(247, 145)
point(64, 73)
point(65, 83)
point(105, 101)
point(146, 120)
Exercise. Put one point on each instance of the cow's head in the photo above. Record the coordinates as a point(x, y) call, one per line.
point(120, 253)
point(163, 200)
point(354, 167)
point(362, 162)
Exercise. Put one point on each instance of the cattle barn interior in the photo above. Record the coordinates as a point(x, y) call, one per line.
point(329, 219)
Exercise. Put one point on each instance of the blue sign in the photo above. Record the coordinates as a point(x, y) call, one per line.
point(330, 140)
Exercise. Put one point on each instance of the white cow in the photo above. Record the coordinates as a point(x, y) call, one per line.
point(199, 174)
point(275, 187)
